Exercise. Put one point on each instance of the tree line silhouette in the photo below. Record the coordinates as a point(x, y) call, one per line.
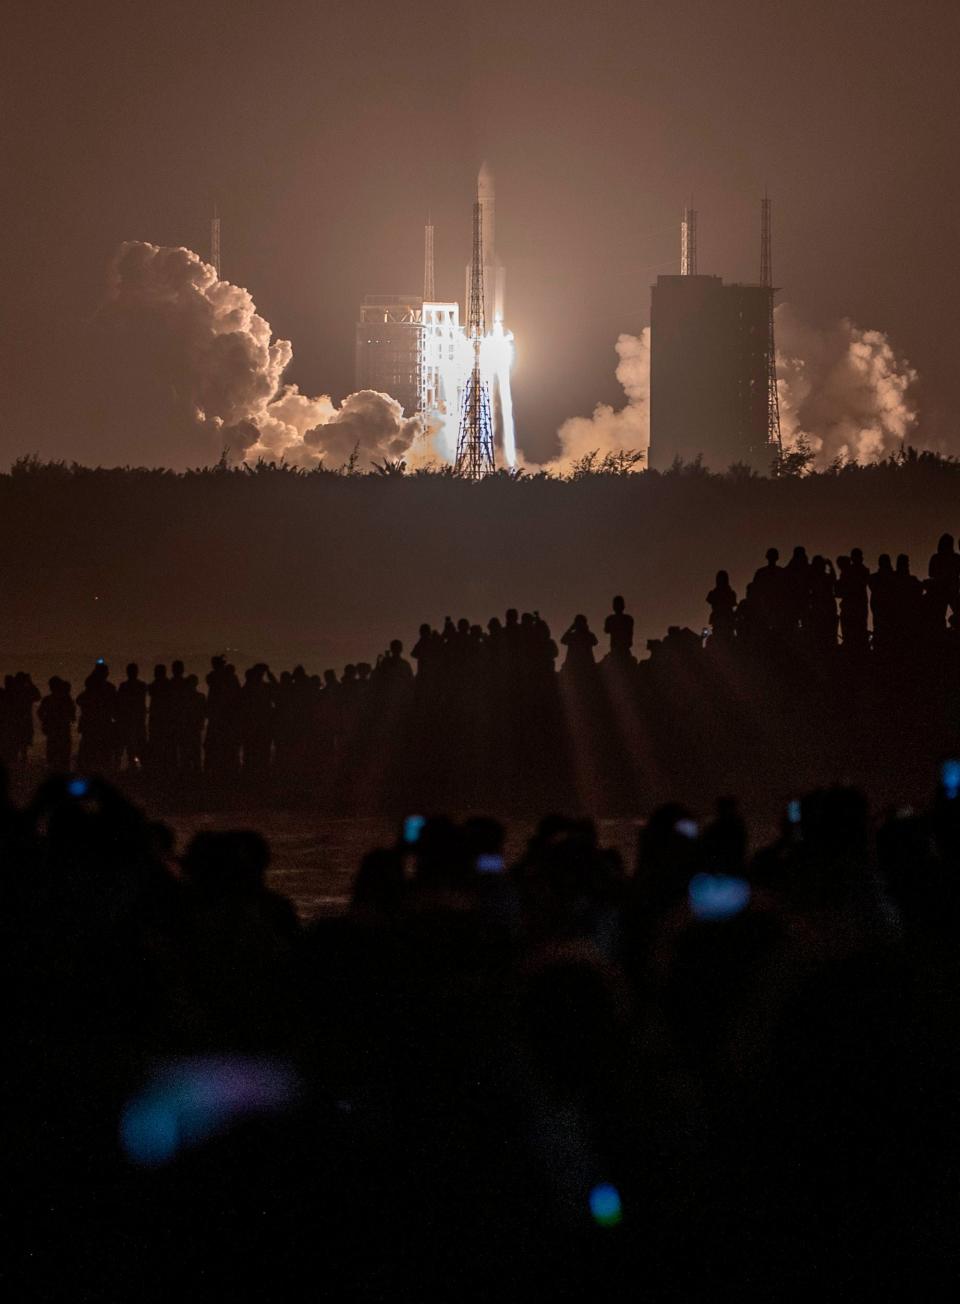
point(296, 566)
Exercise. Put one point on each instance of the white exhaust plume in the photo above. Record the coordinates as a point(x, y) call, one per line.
point(844, 390)
point(191, 368)
point(610, 430)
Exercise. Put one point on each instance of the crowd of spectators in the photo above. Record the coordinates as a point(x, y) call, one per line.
point(810, 657)
point(712, 1072)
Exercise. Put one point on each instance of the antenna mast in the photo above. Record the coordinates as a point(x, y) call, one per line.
point(774, 438)
point(475, 457)
point(688, 242)
point(215, 242)
point(429, 293)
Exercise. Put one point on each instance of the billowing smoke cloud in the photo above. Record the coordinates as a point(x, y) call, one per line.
point(844, 389)
point(611, 430)
point(181, 366)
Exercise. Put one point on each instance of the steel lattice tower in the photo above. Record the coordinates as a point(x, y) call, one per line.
point(215, 242)
point(475, 457)
point(766, 280)
point(688, 242)
point(429, 294)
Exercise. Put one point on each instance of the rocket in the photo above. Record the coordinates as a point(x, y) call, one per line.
point(494, 276)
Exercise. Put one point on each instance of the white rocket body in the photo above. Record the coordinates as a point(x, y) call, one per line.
point(494, 276)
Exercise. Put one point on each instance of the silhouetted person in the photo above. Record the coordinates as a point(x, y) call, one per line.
point(256, 715)
point(722, 601)
point(544, 650)
point(907, 602)
point(162, 748)
point(56, 714)
point(797, 581)
point(511, 637)
point(194, 717)
point(222, 742)
point(23, 695)
point(8, 731)
point(427, 652)
point(769, 596)
point(178, 705)
point(579, 640)
point(944, 574)
point(820, 622)
point(852, 581)
point(883, 601)
point(396, 671)
point(97, 725)
point(132, 718)
point(618, 627)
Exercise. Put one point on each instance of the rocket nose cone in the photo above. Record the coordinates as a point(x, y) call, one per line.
point(484, 182)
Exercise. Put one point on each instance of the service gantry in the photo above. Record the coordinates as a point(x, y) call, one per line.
point(766, 280)
point(475, 455)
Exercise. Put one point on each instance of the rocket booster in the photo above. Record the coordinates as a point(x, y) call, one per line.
point(493, 272)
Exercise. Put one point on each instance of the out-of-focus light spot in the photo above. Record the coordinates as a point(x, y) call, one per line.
point(950, 778)
point(605, 1205)
point(78, 787)
point(150, 1132)
point(189, 1101)
point(686, 828)
point(412, 828)
point(794, 811)
point(717, 896)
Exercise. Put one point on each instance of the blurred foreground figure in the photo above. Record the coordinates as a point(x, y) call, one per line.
point(551, 1079)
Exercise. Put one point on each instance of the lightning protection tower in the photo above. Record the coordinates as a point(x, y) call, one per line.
point(475, 457)
point(766, 280)
point(688, 242)
point(429, 294)
point(215, 242)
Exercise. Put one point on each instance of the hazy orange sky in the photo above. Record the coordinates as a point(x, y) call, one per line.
point(325, 132)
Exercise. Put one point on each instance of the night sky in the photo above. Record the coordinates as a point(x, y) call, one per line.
point(325, 133)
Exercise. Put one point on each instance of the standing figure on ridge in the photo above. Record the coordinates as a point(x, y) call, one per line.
point(722, 601)
point(579, 640)
point(618, 627)
point(56, 714)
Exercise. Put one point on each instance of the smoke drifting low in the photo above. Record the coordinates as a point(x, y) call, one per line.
point(609, 430)
point(844, 389)
point(183, 367)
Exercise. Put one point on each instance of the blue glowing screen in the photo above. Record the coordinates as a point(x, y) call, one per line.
point(412, 828)
point(605, 1204)
point(950, 778)
point(717, 896)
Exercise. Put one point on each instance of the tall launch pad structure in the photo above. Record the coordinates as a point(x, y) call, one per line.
point(453, 371)
point(215, 242)
point(713, 382)
point(766, 280)
point(475, 455)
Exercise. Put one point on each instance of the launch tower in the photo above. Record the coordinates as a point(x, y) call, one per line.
point(766, 280)
point(688, 242)
point(215, 242)
point(389, 344)
point(475, 456)
point(710, 368)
